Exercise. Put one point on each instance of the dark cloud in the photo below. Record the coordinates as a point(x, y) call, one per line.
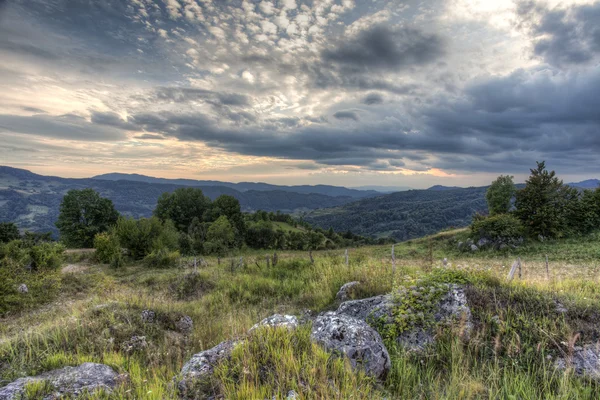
point(111, 119)
point(183, 95)
point(64, 127)
point(382, 48)
point(27, 50)
point(563, 36)
point(34, 110)
point(150, 136)
point(372, 99)
point(346, 114)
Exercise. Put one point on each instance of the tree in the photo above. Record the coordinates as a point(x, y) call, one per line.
point(543, 204)
point(84, 214)
point(499, 195)
point(220, 236)
point(8, 232)
point(230, 207)
point(182, 206)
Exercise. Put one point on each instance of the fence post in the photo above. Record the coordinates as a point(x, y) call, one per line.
point(274, 259)
point(520, 272)
point(312, 260)
point(268, 261)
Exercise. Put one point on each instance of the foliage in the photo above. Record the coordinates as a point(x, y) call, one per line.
point(83, 214)
point(182, 206)
point(500, 194)
point(162, 258)
point(8, 232)
point(220, 236)
point(107, 247)
point(191, 285)
point(503, 228)
point(542, 205)
point(145, 235)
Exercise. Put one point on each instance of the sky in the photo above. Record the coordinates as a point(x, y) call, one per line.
point(344, 92)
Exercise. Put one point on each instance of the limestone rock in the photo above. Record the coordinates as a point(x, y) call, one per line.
point(344, 293)
point(148, 316)
point(354, 339)
point(135, 344)
point(474, 248)
point(71, 381)
point(585, 361)
point(201, 365)
point(185, 325)
point(278, 320)
point(23, 288)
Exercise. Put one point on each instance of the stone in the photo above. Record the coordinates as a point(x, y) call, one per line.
point(23, 288)
point(68, 381)
point(474, 248)
point(185, 325)
point(445, 262)
point(354, 339)
point(148, 316)
point(201, 365)
point(460, 245)
point(483, 242)
point(585, 361)
point(135, 344)
point(560, 308)
point(292, 395)
point(278, 320)
point(379, 309)
point(344, 293)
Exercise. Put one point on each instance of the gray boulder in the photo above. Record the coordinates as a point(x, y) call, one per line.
point(148, 316)
point(355, 339)
point(483, 242)
point(185, 325)
point(23, 288)
point(344, 293)
point(379, 310)
point(201, 365)
point(585, 361)
point(278, 320)
point(68, 381)
point(474, 248)
point(135, 344)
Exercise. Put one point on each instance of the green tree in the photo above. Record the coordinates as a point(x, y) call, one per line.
point(146, 235)
point(499, 195)
point(220, 236)
point(543, 204)
point(8, 232)
point(84, 214)
point(182, 206)
point(230, 207)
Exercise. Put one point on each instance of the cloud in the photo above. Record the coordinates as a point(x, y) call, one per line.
point(563, 36)
point(346, 114)
point(383, 48)
point(372, 99)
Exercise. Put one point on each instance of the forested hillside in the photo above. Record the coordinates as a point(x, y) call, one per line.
point(32, 201)
point(404, 215)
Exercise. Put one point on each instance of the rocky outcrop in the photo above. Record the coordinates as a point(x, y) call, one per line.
point(68, 381)
point(201, 366)
point(355, 339)
point(278, 320)
point(344, 293)
point(585, 361)
point(379, 310)
point(148, 316)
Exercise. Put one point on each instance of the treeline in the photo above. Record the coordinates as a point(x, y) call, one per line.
point(184, 222)
point(545, 208)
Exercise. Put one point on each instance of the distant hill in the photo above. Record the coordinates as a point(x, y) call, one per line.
point(383, 189)
point(587, 184)
point(326, 190)
point(441, 188)
point(32, 201)
point(404, 215)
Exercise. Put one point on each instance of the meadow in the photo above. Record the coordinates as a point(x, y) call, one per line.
point(518, 332)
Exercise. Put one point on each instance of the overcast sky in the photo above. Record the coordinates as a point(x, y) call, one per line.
point(347, 92)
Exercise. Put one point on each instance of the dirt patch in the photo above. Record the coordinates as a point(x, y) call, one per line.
point(74, 268)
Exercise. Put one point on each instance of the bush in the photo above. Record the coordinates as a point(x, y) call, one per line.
point(145, 235)
point(191, 285)
point(107, 247)
point(47, 256)
point(501, 228)
point(162, 258)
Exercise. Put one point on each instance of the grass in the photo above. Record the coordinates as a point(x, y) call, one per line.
point(517, 331)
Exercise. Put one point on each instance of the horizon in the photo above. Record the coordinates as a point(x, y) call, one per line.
point(293, 92)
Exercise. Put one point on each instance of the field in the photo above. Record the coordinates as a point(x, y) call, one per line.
point(510, 355)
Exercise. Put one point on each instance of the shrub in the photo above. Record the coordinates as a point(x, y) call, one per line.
point(107, 247)
point(145, 235)
point(47, 256)
point(503, 228)
point(191, 285)
point(162, 258)
point(8, 232)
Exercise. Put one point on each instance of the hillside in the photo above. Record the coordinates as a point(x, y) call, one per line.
point(508, 340)
point(326, 190)
point(32, 201)
point(404, 215)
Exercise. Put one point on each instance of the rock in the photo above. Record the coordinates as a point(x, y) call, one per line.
point(23, 288)
point(68, 381)
point(185, 325)
point(560, 308)
point(354, 339)
point(148, 316)
point(201, 365)
point(278, 320)
point(483, 242)
point(445, 262)
point(379, 309)
point(541, 237)
point(470, 242)
point(460, 245)
point(344, 293)
point(585, 361)
point(136, 343)
point(474, 248)
point(292, 395)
